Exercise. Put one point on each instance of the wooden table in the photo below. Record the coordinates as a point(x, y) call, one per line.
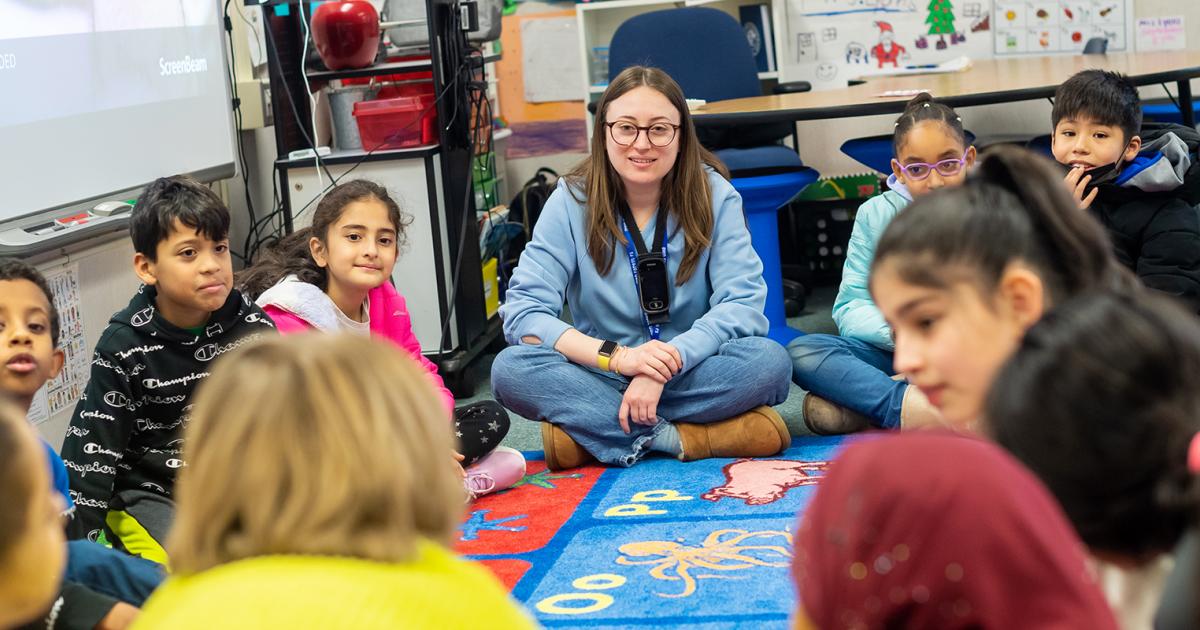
point(988, 81)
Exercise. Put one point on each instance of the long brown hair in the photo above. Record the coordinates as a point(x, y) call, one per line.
point(685, 190)
point(293, 256)
point(344, 453)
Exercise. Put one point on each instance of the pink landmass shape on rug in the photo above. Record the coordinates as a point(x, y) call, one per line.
point(762, 481)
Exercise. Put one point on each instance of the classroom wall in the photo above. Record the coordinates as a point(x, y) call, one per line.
point(819, 140)
point(106, 284)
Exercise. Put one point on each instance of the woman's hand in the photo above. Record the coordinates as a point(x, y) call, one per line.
point(640, 403)
point(655, 359)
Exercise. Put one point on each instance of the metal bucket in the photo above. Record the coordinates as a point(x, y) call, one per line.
point(341, 108)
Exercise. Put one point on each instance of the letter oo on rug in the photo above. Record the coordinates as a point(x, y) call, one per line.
point(637, 506)
point(763, 481)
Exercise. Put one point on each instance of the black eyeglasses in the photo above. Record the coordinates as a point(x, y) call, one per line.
point(626, 133)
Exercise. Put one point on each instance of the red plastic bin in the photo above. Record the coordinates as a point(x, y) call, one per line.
point(396, 123)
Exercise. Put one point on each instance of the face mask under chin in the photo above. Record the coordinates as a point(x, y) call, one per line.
point(1103, 174)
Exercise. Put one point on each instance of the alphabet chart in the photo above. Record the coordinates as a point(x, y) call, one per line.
point(64, 390)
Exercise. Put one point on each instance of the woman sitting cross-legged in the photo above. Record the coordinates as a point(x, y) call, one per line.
point(647, 244)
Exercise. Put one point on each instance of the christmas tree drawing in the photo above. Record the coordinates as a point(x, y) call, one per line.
point(941, 22)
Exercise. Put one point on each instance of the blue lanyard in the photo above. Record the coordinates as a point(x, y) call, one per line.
point(655, 330)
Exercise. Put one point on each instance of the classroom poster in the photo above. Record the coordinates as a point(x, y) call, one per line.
point(64, 391)
point(1060, 26)
point(1160, 33)
point(830, 42)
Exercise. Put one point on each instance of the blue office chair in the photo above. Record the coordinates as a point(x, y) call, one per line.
point(1096, 46)
point(1167, 112)
point(1040, 144)
point(706, 52)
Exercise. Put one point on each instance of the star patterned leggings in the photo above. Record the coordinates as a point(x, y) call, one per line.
point(479, 427)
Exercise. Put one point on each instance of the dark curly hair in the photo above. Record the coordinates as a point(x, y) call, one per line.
point(1101, 402)
point(13, 269)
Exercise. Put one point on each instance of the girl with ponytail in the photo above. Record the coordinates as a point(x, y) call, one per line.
point(962, 273)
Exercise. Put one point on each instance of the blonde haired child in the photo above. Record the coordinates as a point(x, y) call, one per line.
point(335, 276)
point(329, 503)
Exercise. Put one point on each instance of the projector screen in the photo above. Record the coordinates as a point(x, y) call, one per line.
point(99, 97)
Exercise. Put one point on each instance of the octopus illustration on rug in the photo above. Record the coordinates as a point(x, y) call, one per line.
point(722, 550)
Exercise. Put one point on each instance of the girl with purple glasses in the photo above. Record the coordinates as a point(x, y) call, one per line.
point(848, 377)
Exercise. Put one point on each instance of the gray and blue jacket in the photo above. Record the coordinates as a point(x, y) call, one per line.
point(1150, 212)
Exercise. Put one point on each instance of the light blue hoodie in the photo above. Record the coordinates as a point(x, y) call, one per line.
point(723, 300)
point(854, 311)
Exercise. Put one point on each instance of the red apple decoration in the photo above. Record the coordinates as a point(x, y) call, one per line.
point(346, 33)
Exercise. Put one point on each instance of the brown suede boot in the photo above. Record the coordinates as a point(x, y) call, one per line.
point(759, 432)
point(561, 451)
point(825, 418)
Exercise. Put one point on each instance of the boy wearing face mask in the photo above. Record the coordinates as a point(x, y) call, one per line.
point(1141, 181)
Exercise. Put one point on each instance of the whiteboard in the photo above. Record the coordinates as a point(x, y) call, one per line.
point(829, 42)
point(101, 97)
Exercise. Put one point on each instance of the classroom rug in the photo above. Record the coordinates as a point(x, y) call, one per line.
point(704, 544)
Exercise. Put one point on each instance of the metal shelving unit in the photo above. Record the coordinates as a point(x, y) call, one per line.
point(433, 182)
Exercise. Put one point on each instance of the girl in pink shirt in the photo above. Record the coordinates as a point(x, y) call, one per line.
point(334, 277)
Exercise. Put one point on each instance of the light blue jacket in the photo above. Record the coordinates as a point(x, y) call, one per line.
point(723, 300)
point(854, 311)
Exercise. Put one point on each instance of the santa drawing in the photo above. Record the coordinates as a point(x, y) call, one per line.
point(887, 50)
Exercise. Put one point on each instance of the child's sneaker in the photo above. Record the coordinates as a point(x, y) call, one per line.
point(496, 471)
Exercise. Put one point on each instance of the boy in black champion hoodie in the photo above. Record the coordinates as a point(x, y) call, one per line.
point(123, 448)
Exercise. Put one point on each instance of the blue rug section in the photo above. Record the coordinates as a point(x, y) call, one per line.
point(703, 544)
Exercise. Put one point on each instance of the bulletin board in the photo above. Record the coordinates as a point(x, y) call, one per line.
point(832, 41)
point(510, 74)
point(550, 76)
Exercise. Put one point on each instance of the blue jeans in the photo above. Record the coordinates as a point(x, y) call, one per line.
point(121, 576)
point(540, 383)
point(850, 373)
